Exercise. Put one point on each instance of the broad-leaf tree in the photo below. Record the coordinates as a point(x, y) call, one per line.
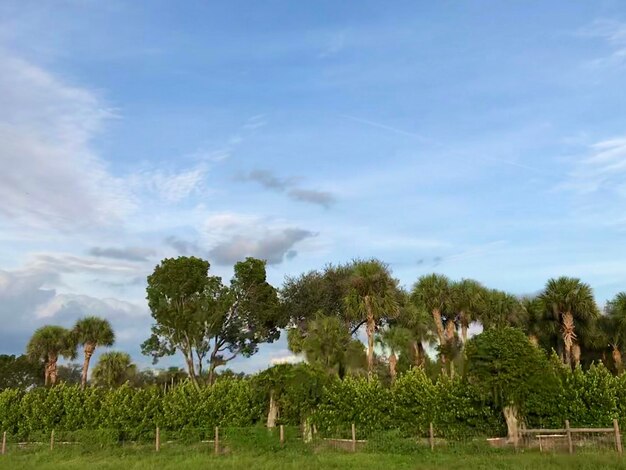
point(47, 344)
point(92, 332)
point(113, 369)
point(508, 369)
point(20, 372)
point(570, 304)
point(176, 293)
point(373, 296)
point(243, 315)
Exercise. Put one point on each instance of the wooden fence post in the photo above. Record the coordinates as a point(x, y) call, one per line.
point(4, 442)
point(569, 437)
point(52, 440)
point(282, 434)
point(431, 437)
point(217, 440)
point(353, 438)
point(157, 440)
point(618, 437)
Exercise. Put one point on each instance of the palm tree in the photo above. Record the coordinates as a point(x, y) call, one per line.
point(468, 301)
point(113, 369)
point(91, 332)
point(533, 319)
point(372, 297)
point(396, 339)
point(47, 344)
point(501, 310)
point(326, 342)
point(614, 325)
point(433, 293)
point(570, 303)
point(421, 325)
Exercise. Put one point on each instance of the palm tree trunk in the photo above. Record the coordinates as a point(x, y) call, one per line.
point(464, 328)
point(617, 359)
point(439, 326)
point(576, 354)
point(533, 340)
point(569, 335)
point(421, 354)
point(416, 354)
point(393, 362)
point(89, 349)
point(370, 328)
point(52, 368)
point(272, 414)
point(450, 330)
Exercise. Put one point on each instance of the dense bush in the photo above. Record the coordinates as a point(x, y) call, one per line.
point(457, 408)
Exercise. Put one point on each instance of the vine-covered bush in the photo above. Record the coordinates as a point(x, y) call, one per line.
point(456, 408)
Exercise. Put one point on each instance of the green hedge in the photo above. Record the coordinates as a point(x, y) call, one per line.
point(586, 398)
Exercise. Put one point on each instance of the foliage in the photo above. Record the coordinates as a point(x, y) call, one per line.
point(114, 369)
point(19, 372)
point(506, 367)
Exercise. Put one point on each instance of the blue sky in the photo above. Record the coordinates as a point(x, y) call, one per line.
point(479, 139)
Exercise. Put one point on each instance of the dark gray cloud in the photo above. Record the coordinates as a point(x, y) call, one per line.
point(270, 181)
point(312, 196)
point(128, 254)
point(274, 247)
point(26, 304)
point(267, 179)
point(182, 246)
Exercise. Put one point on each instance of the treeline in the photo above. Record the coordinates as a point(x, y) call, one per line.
point(501, 377)
point(306, 396)
point(210, 322)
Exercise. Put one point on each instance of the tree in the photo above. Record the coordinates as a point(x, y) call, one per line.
point(508, 369)
point(113, 369)
point(319, 293)
point(242, 316)
point(434, 294)
point(468, 301)
point(91, 332)
point(19, 372)
point(571, 305)
point(327, 344)
point(177, 296)
point(198, 315)
point(421, 325)
point(372, 297)
point(69, 373)
point(501, 310)
point(614, 326)
point(47, 344)
point(396, 339)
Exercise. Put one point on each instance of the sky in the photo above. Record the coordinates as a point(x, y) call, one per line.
point(477, 139)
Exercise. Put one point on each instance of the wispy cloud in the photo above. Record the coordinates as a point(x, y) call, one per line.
point(385, 127)
point(128, 253)
point(231, 237)
point(613, 33)
point(49, 176)
point(272, 182)
point(603, 168)
point(321, 198)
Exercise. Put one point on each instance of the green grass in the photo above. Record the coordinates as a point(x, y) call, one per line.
point(195, 457)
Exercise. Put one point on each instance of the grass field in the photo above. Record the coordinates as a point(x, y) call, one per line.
point(190, 458)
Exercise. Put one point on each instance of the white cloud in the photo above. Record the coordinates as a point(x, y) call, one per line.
point(603, 168)
point(614, 34)
point(231, 237)
point(288, 359)
point(49, 175)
